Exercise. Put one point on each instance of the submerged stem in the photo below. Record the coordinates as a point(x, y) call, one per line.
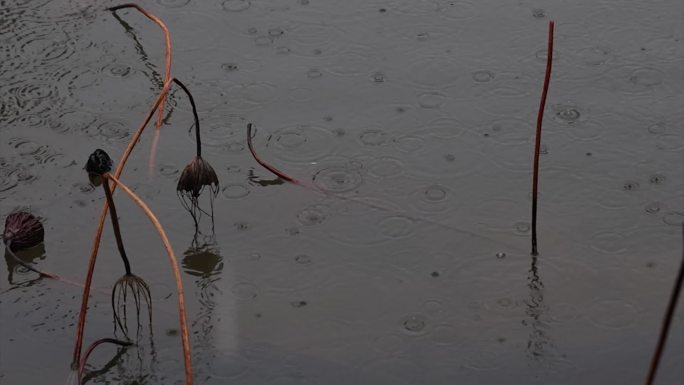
point(115, 225)
point(8, 248)
point(537, 143)
point(185, 335)
point(194, 113)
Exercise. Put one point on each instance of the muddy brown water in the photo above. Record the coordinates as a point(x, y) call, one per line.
point(416, 119)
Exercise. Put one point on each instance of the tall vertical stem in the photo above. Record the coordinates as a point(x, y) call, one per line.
point(537, 144)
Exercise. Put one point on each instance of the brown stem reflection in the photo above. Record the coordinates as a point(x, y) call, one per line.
point(539, 343)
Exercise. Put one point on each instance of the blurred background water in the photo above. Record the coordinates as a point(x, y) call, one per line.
point(416, 120)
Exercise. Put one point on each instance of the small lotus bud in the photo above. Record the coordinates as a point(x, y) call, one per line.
point(98, 163)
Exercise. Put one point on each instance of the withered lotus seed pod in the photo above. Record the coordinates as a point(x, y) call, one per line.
point(23, 230)
point(98, 163)
point(195, 176)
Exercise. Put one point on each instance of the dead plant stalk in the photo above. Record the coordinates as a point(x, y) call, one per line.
point(537, 143)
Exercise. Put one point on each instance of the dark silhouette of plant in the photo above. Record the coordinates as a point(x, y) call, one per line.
point(197, 175)
point(98, 166)
point(80, 328)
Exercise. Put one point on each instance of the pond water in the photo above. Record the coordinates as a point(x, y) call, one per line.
point(405, 257)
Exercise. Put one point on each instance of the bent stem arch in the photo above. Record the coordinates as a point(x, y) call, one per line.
point(185, 335)
point(167, 73)
point(80, 328)
point(167, 41)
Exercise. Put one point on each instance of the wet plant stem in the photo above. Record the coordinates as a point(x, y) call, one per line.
point(81, 367)
point(263, 164)
point(667, 320)
point(194, 113)
point(115, 225)
point(537, 143)
point(167, 40)
point(80, 329)
point(167, 75)
point(185, 335)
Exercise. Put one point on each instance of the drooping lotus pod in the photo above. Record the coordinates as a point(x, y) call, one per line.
point(195, 177)
point(98, 163)
point(23, 230)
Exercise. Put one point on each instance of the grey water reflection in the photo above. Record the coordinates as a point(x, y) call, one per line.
point(402, 256)
point(540, 345)
point(205, 264)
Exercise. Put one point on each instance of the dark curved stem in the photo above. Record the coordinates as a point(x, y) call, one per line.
point(194, 113)
point(265, 165)
point(667, 321)
point(115, 225)
point(81, 367)
point(26, 265)
point(537, 144)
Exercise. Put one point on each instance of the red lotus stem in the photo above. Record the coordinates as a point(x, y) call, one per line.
point(167, 40)
point(267, 166)
point(667, 321)
point(537, 144)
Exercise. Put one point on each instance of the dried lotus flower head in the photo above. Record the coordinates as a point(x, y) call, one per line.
point(195, 177)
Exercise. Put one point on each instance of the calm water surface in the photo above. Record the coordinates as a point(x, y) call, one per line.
point(414, 119)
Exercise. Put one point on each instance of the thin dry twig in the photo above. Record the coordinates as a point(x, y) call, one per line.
point(537, 143)
point(667, 320)
point(185, 335)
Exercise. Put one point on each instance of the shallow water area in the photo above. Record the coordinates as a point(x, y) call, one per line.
point(402, 257)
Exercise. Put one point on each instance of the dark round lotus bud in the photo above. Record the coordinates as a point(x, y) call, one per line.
point(195, 177)
point(22, 230)
point(98, 163)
